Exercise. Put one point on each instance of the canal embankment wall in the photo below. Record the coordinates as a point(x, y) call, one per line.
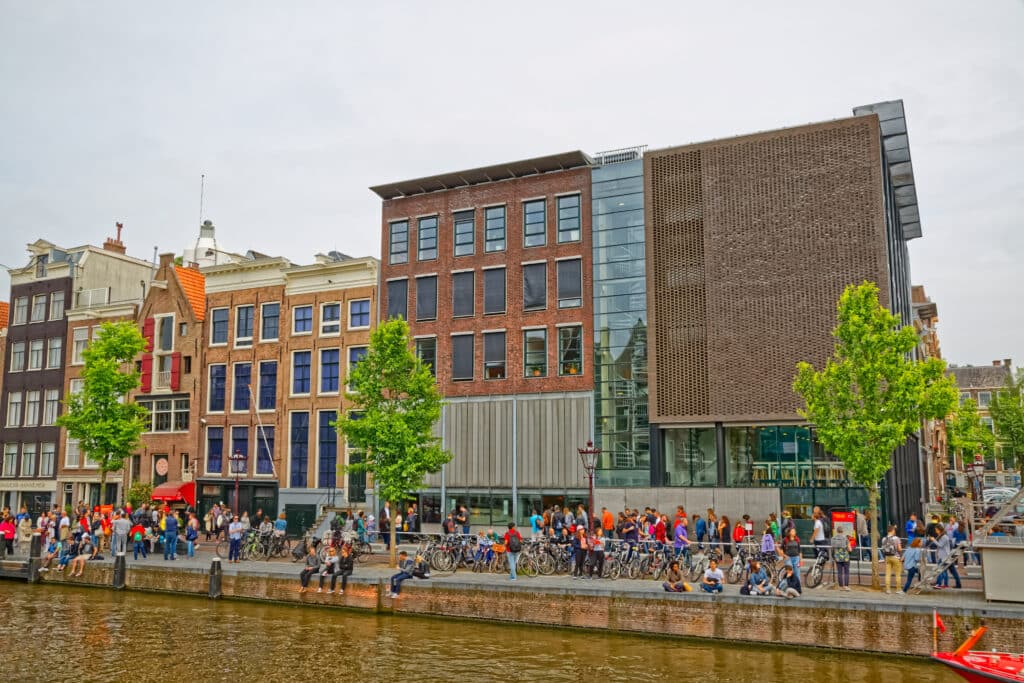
point(890, 627)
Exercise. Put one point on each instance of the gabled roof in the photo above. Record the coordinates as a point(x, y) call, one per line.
point(194, 285)
point(5, 312)
point(980, 376)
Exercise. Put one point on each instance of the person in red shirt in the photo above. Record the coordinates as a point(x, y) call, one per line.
point(660, 532)
point(513, 546)
point(680, 515)
point(138, 536)
point(738, 533)
point(607, 522)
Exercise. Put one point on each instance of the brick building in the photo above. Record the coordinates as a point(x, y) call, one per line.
point(981, 382)
point(933, 432)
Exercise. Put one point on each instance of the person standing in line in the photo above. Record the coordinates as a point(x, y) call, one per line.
point(235, 538)
point(596, 553)
point(818, 537)
point(841, 554)
point(863, 536)
point(536, 525)
point(581, 547)
point(513, 546)
point(192, 533)
point(790, 549)
point(607, 522)
point(944, 546)
point(170, 537)
point(912, 563)
point(891, 552)
point(462, 519)
point(121, 528)
point(385, 524)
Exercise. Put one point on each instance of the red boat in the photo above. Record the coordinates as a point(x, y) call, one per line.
point(979, 666)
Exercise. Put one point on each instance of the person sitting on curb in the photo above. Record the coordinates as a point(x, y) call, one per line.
point(68, 551)
point(405, 569)
point(86, 551)
point(713, 579)
point(789, 584)
point(52, 551)
point(312, 565)
point(330, 569)
point(675, 583)
point(344, 570)
point(758, 579)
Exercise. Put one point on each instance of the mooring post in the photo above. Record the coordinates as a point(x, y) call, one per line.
point(215, 578)
point(35, 558)
point(120, 570)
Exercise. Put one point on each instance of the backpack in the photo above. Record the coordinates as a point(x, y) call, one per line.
point(515, 545)
point(137, 537)
point(190, 533)
point(889, 546)
point(842, 553)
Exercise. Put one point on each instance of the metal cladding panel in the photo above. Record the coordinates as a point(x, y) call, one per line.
point(550, 431)
point(753, 239)
point(479, 435)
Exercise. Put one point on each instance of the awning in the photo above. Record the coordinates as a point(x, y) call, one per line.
point(178, 490)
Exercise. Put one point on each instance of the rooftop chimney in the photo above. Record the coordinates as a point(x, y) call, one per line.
point(1007, 362)
point(997, 363)
point(115, 244)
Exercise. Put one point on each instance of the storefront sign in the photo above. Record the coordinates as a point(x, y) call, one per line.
point(846, 522)
point(28, 485)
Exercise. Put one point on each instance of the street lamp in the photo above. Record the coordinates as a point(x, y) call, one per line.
point(588, 456)
point(978, 468)
point(239, 462)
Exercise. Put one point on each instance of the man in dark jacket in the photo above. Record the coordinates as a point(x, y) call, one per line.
point(170, 537)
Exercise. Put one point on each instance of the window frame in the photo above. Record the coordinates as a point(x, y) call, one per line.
point(29, 453)
point(419, 281)
point(15, 408)
point(260, 395)
point(37, 350)
point(20, 311)
point(495, 364)
point(51, 349)
point(296, 332)
point(417, 343)
point(56, 297)
point(214, 324)
point(264, 318)
point(78, 346)
point(333, 323)
point(206, 451)
point(19, 352)
point(47, 458)
point(460, 219)
point(39, 301)
point(241, 340)
point(350, 363)
point(51, 407)
point(504, 290)
point(559, 219)
point(393, 254)
point(491, 245)
point(33, 408)
point(568, 301)
point(211, 392)
point(420, 248)
point(309, 371)
point(543, 267)
point(543, 223)
point(352, 314)
point(337, 371)
point(563, 364)
point(528, 366)
point(462, 276)
point(472, 357)
point(405, 297)
point(246, 403)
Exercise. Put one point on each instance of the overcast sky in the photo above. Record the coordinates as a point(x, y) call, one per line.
point(112, 111)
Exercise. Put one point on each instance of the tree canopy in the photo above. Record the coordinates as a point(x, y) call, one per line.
point(1007, 410)
point(967, 435)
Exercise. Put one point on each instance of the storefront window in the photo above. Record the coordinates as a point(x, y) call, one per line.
point(690, 457)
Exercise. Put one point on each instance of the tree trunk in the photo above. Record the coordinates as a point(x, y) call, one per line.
point(873, 516)
point(393, 552)
point(103, 485)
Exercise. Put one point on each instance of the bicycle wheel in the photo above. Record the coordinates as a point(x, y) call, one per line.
point(735, 572)
point(223, 549)
point(546, 564)
point(814, 576)
point(526, 566)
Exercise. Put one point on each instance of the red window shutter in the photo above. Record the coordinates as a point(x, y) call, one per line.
point(147, 373)
point(148, 326)
point(175, 371)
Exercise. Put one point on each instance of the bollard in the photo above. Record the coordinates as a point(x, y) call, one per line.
point(35, 558)
point(215, 579)
point(120, 570)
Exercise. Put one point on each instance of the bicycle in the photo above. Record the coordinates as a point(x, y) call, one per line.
point(817, 570)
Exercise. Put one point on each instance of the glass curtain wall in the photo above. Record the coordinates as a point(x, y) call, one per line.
point(620, 325)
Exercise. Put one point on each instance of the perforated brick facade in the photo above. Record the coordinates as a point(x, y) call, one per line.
point(750, 242)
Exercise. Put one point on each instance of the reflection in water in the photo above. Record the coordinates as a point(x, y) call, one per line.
point(130, 636)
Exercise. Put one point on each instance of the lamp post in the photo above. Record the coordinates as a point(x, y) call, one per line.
point(588, 456)
point(238, 466)
point(978, 468)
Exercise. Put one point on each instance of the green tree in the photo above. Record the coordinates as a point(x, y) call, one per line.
point(1007, 410)
point(138, 493)
point(396, 404)
point(871, 395)
point(966, 435)
point(105, 423)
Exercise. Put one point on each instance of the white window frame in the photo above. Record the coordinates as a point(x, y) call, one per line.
point(51, 407)
point(37, 349)
point(10, 464)
point(213, 312)
point(291, 373)
point(320, 371)
point(295, 319)
point(349, 366)
point(56, 297)
point(224, 435)
point(21, 307)
point(29, 453)
point(244, 342)
point(14, 419)
point(47, 456)
point(36, 303)
point(50, 365)
point(209, 389)
point(79, 345)
point(72, 454)
point(18, 353)
point(333, 323)
point(33, 415)
point(231, 403)
point(984, 403)
point(263, 305)
point(369, 305)
point(259, 384)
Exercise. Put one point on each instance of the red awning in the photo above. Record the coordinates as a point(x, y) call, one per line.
point(177, 490)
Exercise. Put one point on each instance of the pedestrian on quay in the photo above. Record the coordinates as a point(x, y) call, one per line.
point(513, 546)
point(607, 522)
point(329, 569)
point(944, 546)
point(170, 537)
point(674, 580)
point(192, 533)
point(863, 536)
point(681, 539)
point(891, 552)
point(790, 550)
point(580, 547)
point(596, 553)
point(789, 584)
point(912, 559)
point(138, 536)
point(235, 539)
point(536, 525)
point(720, 535)
point(767, 539)
point(25, 533)
point(121, 528)
point(841, 542)
point(7, 533)
point(208, 524)
point(462, 519)
point(713, 579)
point(312, 565)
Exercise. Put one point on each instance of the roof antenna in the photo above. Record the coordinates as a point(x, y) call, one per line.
point(202, 190)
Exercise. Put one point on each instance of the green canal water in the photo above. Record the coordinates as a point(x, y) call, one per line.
point(55, 633)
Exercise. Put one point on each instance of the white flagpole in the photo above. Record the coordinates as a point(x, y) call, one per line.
point(262, 433)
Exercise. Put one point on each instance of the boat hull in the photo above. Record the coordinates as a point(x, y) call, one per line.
point(984, 667)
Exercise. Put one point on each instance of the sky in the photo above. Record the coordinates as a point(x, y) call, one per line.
point(112, 111)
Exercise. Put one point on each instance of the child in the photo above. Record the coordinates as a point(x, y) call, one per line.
point(330, 569)
point(138, 536)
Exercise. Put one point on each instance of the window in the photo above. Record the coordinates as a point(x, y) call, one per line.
point(240, 445)
point(464, 233)
point(268, 385)
point(330, 319)
point(300, 372)
point(28, 460)
point(494, 228)
point(462, 358)
point(398, 248)
point(984, 397)
point(270, 321)
point(41, 261)
point(303, 320)
point(570, 284)
point(55, 352)
point(76, 385)
point(264, 450)
point(569, 219)
point(426, 351)
point(494, 355)
point(56, 305)
point(964, 395)
point(240, 387)
point(14, 403)
point(570, 350)
point(17, 356)
point(182, 329)
point(327, 443)
point(462, 294)
point(535, 286)
point(10, 459)
point(359, 313)
point(398, 299)
point(535, 353)
point(186, 364)
point(219, 329)
point(21, 310)
point(79, 340)
point(32, 406)
point(494, 290)
point(987, 423)
point(38, 308)
point(329, 370)
point(167, 415)
point(355, 354)
point(35, 354)
point(535, 217)
point(427, 236)
point(47, 455)
point(51, 407)
point(218, 379)
point(299, 449)
point(244, 325)
point(166, 333)
point(426, 298)
point(214, 450)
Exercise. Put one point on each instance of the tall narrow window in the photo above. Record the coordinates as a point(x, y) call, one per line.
point(214, 450)
point(240, 388)
point(328, 446)
point(570, 284)
point(51, 407)
point(535, 286)
point(462, 294)
point(426, 350)
point(462, 358)
point(301, 372)
point(464, 228)
point(219, 326)
point(21, 310)
point(330, 319)
point(268, 385)
point(398, 299)
point(167, 333)
point(47, 454)
point(56, 305)
point(11, 459)
point(239, 446)
point(54, 352)
point(535, 353)
point(35, 354)
point(329, 370)
point(18, 356)
point(264, 450)
point(570, 350)
point(398, 243)
point(244, 317)
point(494, 228)
point(270, 322)
point(359, 313)
point(303, 320)
point(355, 355)
point(299, 449)
point(494, 290)
point(38, 308)
point(535, 218)
point(494, 355)
point(569, 218)
point(33, 401)
point(14, 405)
point(426, 298)
point(28, 460)
point(79, 340)
point(218, 380)
point(426, 233)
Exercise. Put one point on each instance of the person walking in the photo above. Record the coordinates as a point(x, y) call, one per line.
point(891, 552)
point(513, 546)
point(235, 539)
point(912, 563)
point(944, 545)
point(790, 550)
point(841, 555)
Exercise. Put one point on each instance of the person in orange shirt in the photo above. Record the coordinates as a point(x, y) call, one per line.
point(607, 522)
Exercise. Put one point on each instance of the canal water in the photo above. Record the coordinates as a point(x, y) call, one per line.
point(56, 633)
